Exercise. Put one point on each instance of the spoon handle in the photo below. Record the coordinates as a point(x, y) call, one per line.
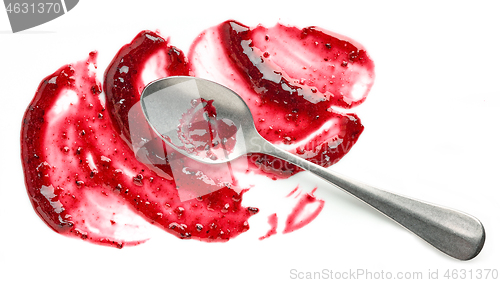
point(455, 233)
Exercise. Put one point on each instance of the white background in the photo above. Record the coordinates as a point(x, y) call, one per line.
point(431, 132)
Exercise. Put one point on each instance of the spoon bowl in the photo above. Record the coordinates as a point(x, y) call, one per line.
point(212, 124)
point(192, 115)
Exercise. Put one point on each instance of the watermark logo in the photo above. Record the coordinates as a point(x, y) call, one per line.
point(25, 14)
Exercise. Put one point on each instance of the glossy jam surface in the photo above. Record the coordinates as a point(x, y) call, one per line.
point(85, 180)
point(94, 168)
point(294, 81)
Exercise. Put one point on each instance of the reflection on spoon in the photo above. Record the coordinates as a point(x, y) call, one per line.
point(195, 116)
point(205, 135)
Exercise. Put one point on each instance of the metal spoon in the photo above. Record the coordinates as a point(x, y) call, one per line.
point(166, 101)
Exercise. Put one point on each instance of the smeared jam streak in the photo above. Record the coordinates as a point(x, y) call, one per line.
point(306, 207)
point(90, 164)
point(294, 82)
point(305, 210)
point(77, 168)
point(273, 222)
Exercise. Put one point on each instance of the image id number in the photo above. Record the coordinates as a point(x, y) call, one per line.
point(471, 274)
point(34, 8)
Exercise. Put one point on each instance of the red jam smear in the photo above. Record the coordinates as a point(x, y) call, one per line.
point(73, 156)
point(305, 210)
point(90, 163)
point(294, 81)
point(306, 207)
point(123, 82)
point(273, 222)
